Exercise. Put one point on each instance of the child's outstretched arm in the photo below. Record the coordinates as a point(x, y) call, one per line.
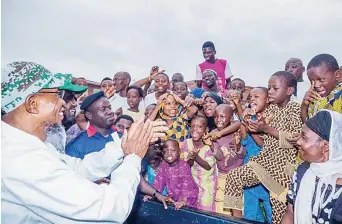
point(154, 114)
point(229, 129)
point(258, 140)
point(202, 163)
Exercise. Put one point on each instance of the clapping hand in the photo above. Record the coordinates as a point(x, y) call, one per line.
point(138, 138)
point(110, 92)
point(193, 153)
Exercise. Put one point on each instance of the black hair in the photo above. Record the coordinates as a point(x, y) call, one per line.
point(288, 77)
point(123, 116)
point(264, 89)
point(107, 78)
point(238, 79)
point(186, 85)
point(164, 74)
point(202, 117)
point(140, 91)
point(324, 59)
point(209, 44)
point(172, 140)
point(179, 74)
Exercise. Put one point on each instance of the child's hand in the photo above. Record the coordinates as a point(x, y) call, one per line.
point(214, 135)
point(160, 100)
point(189, 100)
point(293, 138)
point(257, 126)
point(164, 199)
point(193, 153)
point(237, 137)
point(311, 95)
point(180, 204)
point(110, 92)
point(147, 197)
point(207, 140)
point(236, 98)
point(177, 98)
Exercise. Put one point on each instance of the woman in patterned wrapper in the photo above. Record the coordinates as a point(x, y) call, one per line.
point(315, 194)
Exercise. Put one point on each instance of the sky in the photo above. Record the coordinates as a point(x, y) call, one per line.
point(95, 39)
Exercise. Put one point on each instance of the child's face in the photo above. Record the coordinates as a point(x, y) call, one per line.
point(171, 106)
point(154, 156)
point(208, 53)
point(171, 151)
point(180, 89)
point(133, 98)
point(149, 110)
point(209, 106)
point(106, 85)
point(161, 83)
point(237, 85)
point(278, 91)
point(230, 95)
point(325, 80)
point(198, 128)
point(258, 100)
point(295, 68)
point(223, 116)
point(123, 125)
point(209, 79)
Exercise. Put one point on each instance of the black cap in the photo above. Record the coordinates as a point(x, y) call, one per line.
point(91, 99)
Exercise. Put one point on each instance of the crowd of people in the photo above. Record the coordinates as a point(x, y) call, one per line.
point(270, 154)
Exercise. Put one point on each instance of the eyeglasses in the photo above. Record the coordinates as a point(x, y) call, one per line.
point(60, 93)
point(117, 79)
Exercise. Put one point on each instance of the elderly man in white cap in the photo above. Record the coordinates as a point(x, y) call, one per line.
point(41, 185)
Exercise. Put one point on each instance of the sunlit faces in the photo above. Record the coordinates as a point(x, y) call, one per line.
point(161, 83)
point(278, 91)
point(171, 106)
point(209, 78)
point(223, 116)
point(312, 148)
point(149, 109)
point(258, 99)
point(106, 85)
point(171, 151)
point(99, 113)
point(295, 67)
point(209, 53)
point(325, 80)
point(47, 105)
point(237, 85)
point(180, 88)
point(209, 106)
point(133, 98)
point(123, 124)
point(198, 128)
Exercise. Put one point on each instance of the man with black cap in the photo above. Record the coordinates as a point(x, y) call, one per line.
point(97, 110)
point(220, 66)
point(41, 185)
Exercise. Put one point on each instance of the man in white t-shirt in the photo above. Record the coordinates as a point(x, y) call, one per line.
point(295, 66)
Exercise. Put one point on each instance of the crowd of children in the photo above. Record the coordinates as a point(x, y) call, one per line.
point(228, 150)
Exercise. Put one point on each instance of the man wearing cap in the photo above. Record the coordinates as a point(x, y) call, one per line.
point(41, 185)
point(56, 134)
point(97, 111)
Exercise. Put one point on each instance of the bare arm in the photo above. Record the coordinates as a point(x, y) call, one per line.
point(230, 129)
point(258, 140)
point(146, 87)
point(288, 217)
point(202, 163)
point(304, 112)
point(155, 112)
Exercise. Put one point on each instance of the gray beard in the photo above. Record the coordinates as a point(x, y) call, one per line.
point(56, 136)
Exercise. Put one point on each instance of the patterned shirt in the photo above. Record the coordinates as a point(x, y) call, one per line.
point(332, 102)
point(178, 181)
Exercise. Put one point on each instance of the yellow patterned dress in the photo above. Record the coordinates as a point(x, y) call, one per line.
point(332, 102)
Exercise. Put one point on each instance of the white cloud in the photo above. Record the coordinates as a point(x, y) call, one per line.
point(95, 39)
